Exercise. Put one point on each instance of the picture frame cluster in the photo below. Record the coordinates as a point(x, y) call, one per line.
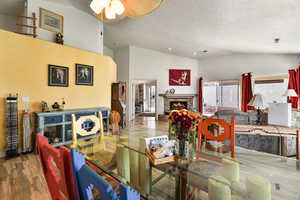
point(58, 76)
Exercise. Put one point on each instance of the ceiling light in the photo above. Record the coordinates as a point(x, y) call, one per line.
point(123, 8)
point(98, 5)
point(170, 49)
point(110, 12)
point(117, 6)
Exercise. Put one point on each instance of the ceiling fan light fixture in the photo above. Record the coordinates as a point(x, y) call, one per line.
point(110, 13)
point(98, 5)
point(118, 7)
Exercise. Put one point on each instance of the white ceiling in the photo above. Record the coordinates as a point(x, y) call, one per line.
point(219, 26)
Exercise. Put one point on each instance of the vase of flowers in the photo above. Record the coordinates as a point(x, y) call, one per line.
point(183, 126)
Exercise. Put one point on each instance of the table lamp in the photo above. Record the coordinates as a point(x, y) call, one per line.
point(290, 93)
point(258, 103)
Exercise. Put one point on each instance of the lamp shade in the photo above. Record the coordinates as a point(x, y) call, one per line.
point(290, 93)
point(110, 13)
point(118, 6)
point(98, 5)
point(257, 101)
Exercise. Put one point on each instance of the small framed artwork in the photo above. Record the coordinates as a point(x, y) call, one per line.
point(51, 21)
point(84, 75)
point(179, 77)
point(58, 76)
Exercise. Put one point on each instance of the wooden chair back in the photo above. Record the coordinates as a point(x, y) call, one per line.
point(115, 119)
point(86, 126)
point(227, 132)
point(53, 167)
point(92, 186)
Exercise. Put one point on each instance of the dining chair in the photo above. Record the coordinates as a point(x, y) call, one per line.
point(223, 134)
point(115, 119)
point(69, 173)
point(53, 167)
point(87, 126)
point(90, 183)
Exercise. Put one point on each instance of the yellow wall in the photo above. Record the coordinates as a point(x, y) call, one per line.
point(24, 70)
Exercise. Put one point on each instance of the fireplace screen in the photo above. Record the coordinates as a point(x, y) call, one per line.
point(178, 105)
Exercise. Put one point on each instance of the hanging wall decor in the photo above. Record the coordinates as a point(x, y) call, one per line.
point(84, 75)
point(180, 77)
point(58, 76)
point(51, 21)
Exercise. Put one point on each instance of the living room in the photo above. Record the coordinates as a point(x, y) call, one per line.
point(149, 99)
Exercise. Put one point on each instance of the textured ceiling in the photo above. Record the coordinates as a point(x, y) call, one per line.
point(221, 27)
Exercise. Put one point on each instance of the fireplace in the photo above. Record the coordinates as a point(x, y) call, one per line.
point(178, 101)
point(178, 105)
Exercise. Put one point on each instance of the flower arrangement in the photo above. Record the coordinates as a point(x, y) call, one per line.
point(183, 125)
point(184, 121)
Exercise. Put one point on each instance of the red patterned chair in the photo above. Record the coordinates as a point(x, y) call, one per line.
point(53, 167)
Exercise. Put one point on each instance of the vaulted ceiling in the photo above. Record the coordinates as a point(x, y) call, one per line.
point(218, 26)
point(221, 27)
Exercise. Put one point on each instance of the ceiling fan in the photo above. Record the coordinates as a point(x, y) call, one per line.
point(115, 10)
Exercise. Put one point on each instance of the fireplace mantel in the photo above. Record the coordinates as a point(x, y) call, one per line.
point(168, 98)
point(178, 95)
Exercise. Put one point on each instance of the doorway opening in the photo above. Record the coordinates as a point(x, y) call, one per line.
point(145, 98)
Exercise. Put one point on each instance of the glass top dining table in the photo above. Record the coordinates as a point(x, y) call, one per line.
point(251, 175)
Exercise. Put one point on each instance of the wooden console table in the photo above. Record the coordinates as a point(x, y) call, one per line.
point(279, 135)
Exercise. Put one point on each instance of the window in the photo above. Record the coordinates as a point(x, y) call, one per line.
point(225, 95)
point(220, 95)
point(271, 90)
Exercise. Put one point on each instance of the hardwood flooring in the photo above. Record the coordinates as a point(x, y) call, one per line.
point(22, 178)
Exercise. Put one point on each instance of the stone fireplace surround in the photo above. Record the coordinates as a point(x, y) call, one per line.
point(168, 98)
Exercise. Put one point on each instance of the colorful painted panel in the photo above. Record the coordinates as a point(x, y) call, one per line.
point(180, 77)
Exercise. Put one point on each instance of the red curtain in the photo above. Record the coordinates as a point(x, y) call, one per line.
point(294, 83)
point(200, 95)
point(246, 92)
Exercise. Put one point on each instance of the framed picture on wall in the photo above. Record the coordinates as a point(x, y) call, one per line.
point(179, 77)
point(84, 75)
point(58, 76)
point(51, 21)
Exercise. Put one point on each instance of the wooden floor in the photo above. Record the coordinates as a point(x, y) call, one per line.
point(22, 178)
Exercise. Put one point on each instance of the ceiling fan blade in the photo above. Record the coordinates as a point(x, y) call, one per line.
point(140, 8)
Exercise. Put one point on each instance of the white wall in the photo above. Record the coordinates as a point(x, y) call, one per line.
point(147, 64)
point(233, 66)
point(81, 30)
point(108, 52)
point(8, 22)
point(121, 57)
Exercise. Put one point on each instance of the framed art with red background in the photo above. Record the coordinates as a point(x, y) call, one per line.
point(180, 77)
